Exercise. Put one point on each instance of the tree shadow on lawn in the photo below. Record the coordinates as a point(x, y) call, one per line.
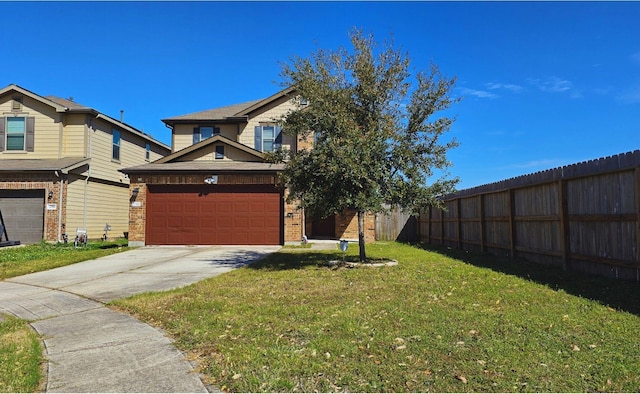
point(295, 259)
point(619, 294)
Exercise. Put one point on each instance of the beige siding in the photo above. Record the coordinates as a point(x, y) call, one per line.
point(132, 152)
point(208, 154)
point(268, 115)
point(104, 204)
point(182, 135)
point(47, 131)
point(74, 136)
point(75, 205)
point(100, 147)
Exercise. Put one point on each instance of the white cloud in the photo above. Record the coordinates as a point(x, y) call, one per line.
point(631, 95)
point(506, 86)
point(478, 93)
point(551, 84)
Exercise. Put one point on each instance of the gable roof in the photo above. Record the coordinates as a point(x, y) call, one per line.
point(200, 145)
point(13, 87)
point(169, 163)
point(229, 113)
point(68, 106)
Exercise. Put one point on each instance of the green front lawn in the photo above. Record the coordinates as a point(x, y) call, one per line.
point(432, 323)
point(21, 260)
point(20, 357)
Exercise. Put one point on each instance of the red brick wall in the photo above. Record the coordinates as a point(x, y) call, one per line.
point(347, 225)
point(293, 222)
point(137, 213)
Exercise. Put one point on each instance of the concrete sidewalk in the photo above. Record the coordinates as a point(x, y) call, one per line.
point(91, 348)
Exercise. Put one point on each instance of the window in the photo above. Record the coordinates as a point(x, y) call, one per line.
point(16, 132)
point(204, 132)
point(147, 152)
point(219, 152)
point(115, 153)
point(268, 138)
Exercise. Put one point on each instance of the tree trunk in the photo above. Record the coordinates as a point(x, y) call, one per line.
point(363, 254)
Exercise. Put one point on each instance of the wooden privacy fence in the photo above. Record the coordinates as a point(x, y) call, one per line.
point(583, 217)
point(396, 226)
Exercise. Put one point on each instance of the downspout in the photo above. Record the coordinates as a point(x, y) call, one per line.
point(170, 127)
point(61, 191)
point(60, 139)
point(59, 175)
point(86, 180)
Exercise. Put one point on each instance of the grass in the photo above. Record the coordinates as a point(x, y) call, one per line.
point(16, 261)
point(20, 357)
point(435, 322)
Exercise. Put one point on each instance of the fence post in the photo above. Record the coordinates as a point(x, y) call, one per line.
point(564, 223)
point(442, 226)
point(459, 221)
point(637, 171)
point(481, 207)
point(429, 208)
point(512, 223)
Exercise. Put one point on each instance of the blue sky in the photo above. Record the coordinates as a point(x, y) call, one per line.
point(543, 84)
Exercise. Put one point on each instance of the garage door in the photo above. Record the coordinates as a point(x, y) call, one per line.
point(213, 215)
point(23, 215)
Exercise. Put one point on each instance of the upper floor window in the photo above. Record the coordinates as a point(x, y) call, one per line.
point(115, 153)
point(268, 138)
point(17, 133)
point(147, 152)
point(203, 132)
point(219, 152)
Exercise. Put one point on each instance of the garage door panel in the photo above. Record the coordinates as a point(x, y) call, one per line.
point(23, 214)
point(210, 215)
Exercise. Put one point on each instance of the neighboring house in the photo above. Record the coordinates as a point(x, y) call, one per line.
point(217, 188)
point(59, 163)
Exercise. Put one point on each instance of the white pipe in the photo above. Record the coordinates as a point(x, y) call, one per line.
point(61, 191)
point(86, 182)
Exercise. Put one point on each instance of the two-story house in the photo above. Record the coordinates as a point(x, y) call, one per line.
point(217, 188)
point(59, 167)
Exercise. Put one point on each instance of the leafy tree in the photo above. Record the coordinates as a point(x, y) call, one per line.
point(375, 142)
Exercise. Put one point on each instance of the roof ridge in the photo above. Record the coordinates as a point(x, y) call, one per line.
point(239, 107)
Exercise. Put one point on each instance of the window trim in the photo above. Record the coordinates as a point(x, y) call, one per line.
point(259, 137)
point(23, 133)
point(147, 151)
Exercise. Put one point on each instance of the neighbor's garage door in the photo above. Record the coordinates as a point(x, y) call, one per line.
point(213, 215)
point(23, 215)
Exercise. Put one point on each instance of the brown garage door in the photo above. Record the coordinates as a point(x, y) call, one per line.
point(213, 215)
point(23, 215)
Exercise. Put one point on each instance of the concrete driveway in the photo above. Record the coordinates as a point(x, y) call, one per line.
point(91, 348)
